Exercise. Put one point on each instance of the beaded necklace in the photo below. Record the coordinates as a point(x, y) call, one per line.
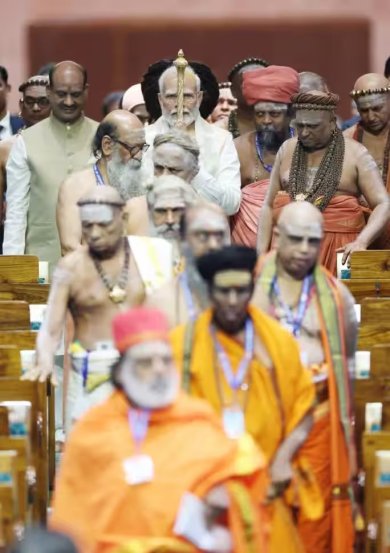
point(327, 178)
point(233, 124)
point(116, 291)
point(386, 153)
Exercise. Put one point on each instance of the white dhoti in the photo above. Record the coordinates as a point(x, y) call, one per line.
point(91, 380)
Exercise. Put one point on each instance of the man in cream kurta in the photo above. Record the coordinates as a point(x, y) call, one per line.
point(218, 179)
point(41, 158)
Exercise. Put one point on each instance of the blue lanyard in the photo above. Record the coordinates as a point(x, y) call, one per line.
point(98, 175)
point(139, 424)
point(192, 311)
point(295, 321)
point(235, 381)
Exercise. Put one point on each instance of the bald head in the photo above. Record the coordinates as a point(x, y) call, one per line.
point(68, 91)
point(103, 220)
point(206, 228)
point(101, 195)
point(372, 96)
point(299, 234)
point(312, 81)
point(371, 81)
point(118, 125)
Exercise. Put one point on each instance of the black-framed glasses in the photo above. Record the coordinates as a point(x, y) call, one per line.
point(133, 150)
point(30, 102)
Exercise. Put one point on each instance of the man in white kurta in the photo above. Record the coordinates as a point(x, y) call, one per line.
point(41, 158)
point(218, 179)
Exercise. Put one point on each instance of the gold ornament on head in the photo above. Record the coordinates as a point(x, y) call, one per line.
point(180, 63)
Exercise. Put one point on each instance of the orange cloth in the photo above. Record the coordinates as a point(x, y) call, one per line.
point(244, 223)
point(190, 452)
point(343, 221)
point(274, 83)
point(277, 400)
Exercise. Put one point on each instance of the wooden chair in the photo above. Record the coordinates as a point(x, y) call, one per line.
point(22, 339)
point(10, 512)
point(374, 496)
point(31, 292)
point(10, 361)
point(14, 315)
point(12, 389)
point(19, 268)
point(370, 274)
point(23, 469)
point(375, 323)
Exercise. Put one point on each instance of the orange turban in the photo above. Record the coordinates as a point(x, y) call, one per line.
point(270, 84)
point(139, 325)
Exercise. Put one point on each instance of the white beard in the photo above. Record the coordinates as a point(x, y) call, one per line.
point(126, 178)
point(155, 395)
point(189, 117)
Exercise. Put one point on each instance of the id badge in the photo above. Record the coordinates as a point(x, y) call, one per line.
point(233, 420)
point(138, 469)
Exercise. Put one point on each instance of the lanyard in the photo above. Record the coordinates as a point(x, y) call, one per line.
point(295, 321)
point(138, 423)
point(236, 380)
point(189, 301)
point(98, 175)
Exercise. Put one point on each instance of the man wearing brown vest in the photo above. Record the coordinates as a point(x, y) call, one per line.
point(41, 158)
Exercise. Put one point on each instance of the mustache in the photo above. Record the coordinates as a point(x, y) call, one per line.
point(169, 226)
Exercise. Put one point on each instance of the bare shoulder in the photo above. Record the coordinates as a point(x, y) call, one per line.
point(73, 259)
point(349, 133)
point(288, 147)
point(356, 151)
point(139, 202)
point(83, 178)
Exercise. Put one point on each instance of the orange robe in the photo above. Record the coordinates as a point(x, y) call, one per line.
point(343, 221)
point(275, 404)
point(94, 504)
point(244, 223)
point(326, 446)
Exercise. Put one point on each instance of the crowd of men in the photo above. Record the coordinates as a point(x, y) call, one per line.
point(192, 237)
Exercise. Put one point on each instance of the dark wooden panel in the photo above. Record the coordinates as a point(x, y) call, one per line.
point(14, 315)
point(31, 292)
point(363, 288)
point(116, 54)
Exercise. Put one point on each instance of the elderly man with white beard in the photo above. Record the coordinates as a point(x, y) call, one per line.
point(218, 179)
point(118, 145)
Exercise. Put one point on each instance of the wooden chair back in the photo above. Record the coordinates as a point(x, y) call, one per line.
point(19, 268)
point(14, 315)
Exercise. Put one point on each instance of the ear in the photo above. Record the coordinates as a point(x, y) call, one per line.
point(159, 99)
point(86, 91)
point(200, 98)
point(107, 146)
point(8, 88)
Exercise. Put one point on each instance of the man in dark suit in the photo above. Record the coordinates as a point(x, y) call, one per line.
point(9, 124)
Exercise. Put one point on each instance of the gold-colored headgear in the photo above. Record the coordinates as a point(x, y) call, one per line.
point(358, 93)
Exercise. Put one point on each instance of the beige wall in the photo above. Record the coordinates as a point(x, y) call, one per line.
point(17, 14)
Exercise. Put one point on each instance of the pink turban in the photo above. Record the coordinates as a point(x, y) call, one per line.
point(270, 84)
point(132, 97)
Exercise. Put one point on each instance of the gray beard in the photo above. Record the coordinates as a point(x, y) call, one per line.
point(127, 180)
point(270, 140)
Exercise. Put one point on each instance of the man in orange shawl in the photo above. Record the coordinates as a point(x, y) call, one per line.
point(372, 96)
point(248, 368)
point(319, 311)
point(331, 172)
point(151, 469)
point(269, 91)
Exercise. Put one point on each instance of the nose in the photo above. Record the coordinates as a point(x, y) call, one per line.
point(170, 220)
point(267, 119)
point(68, 100)
point(304, 246)
point(158, 365)
point(94, 232)
point(36, 107)
point(232, 298)
point(165, 171)
point(225, 106)
point(213, 243)
point(371, 115)
point(304, 132)
point(138, 155)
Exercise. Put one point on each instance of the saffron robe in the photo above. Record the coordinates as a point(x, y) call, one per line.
point(332, 431)
point(95, 505)
point(244, 224)
point(276, 402)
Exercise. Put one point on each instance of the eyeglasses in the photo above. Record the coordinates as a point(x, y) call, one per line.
point(41, 102)
point(133, 150)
